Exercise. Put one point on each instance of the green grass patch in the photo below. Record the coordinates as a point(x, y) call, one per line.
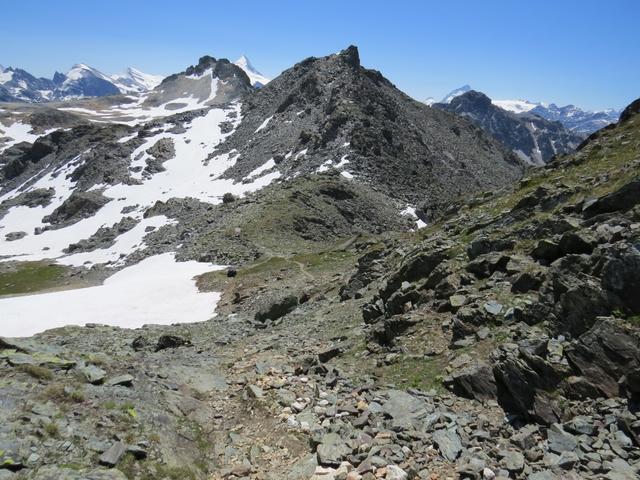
point(52, 430)
point(411, 372)
point(35, 371)
point(29, 277)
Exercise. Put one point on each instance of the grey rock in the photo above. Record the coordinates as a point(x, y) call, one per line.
point(493, 307)
point(513, 461)
point(277, 308)
point(568, 460)
point(559, 440)
point(448, 442)
point(93, 374)
point(304, 468)
point(124, 380)
point(543, 475)
point(254, 392)
point(332, 450)
point(113, 455)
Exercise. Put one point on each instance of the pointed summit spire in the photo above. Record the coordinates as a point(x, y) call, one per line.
point(257, 79)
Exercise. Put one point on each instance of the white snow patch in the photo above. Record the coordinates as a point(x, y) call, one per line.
point(19, 132)
point(324, 167)
point(343, 161)
point(158, 290)
point(515, 106)
point(269, 164)
point(263, 124)
point(300, 154)
point(5, 76)
point(411, 212)
point(346, 174)
point(191, 173)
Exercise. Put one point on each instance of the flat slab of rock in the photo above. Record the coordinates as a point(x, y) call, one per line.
point(93, 374)
point(113, 455)
point(448, 443)
point(125, 380)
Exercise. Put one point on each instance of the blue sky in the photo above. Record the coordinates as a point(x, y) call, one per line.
point(584, 52)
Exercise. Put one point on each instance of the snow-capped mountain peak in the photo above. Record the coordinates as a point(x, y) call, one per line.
point(134, 81)
point(455, 93)
point(573, 118)
point(515, 106)
point(257, 79)
point(5, 75)
point(81, 70)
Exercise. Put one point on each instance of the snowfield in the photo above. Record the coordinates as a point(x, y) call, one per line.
point(191, 173)
point(158, 290)
point(16, 133)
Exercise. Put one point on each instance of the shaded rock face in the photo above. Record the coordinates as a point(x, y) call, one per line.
point(78, 206)
point(107, 160)
point(532, 137)
point(605, 355)
point(331, 110)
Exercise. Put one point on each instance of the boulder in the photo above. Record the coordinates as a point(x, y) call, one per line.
point(482, 245)
point(623, 199)
point(576, 242)
point(448, 442)
point(485, 265)
point(93, 374)
point(171, 341)
point(605, 354)
point(546, 251)
point(113, 455)
point(276, 308)
point(474, 381)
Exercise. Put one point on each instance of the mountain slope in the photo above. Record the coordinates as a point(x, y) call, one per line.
point(209, 82)
point(18, 85)
point(83, 81)
point(498, 342)
point(533, 138)
point(349, 148)
point(331, 113)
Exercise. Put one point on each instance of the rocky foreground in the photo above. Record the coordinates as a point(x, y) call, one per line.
point(501, 341)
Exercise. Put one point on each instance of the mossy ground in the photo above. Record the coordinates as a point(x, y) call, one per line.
point(30, 277)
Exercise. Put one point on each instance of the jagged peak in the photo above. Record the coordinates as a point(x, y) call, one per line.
point(351, 55)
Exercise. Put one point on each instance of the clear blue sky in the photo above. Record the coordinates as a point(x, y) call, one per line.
point(584, 52)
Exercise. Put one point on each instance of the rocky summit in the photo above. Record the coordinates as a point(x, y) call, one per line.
point(314, 278)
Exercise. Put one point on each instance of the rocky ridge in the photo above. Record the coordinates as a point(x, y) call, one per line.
point(331, 113)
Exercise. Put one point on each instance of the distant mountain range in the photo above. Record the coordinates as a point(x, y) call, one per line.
point(534, 139)
point(574, 118)
point(82, 81)
point(17, 85)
